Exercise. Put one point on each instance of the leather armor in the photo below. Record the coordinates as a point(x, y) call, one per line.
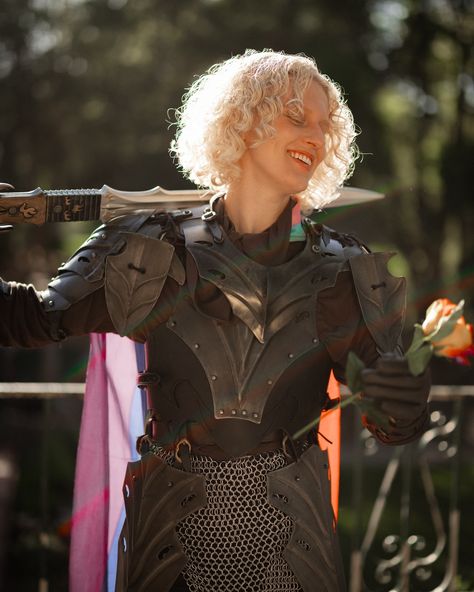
point(227, 386)
point(130, 258)
point(266, 367)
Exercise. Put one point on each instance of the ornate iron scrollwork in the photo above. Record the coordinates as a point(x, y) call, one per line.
point(410, 560)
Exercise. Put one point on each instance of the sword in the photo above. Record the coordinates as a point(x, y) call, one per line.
point(79, 205)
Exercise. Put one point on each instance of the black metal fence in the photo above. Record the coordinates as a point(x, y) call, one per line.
point(414, 526)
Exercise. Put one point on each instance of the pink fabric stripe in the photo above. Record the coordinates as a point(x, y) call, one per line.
point(121, 367)
point(102, 456)
point(89, 527)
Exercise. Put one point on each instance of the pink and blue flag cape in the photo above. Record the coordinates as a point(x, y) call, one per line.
point(112, 419)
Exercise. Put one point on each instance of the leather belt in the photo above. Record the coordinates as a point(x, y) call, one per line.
point(203, 447)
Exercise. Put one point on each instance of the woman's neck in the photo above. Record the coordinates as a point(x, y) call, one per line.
point(253, 212)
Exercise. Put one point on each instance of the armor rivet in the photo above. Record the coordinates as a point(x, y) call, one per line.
point(196, 346)
point(103, 236)
point(134, 477)
point(233, 412)
point(51, 302)
point(244, 412)
point(93, 255)
point(269, 381)
point(297, 478)
point(315, 340)
point(315, 249)
point(291, 356)
point(221, 411)
point(213, 377)
point(173, 323)
point(255, 415)
point(170, 483)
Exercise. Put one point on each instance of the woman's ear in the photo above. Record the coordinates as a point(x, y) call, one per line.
point(249, 137)
point(246, 137)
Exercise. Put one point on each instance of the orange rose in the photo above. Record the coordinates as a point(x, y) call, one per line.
point(458, 341)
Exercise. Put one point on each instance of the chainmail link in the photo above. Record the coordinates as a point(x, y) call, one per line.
point(235, 543)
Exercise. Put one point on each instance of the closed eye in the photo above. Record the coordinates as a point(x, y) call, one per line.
point(297, 120)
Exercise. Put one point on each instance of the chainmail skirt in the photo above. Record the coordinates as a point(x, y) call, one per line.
point(235, 543)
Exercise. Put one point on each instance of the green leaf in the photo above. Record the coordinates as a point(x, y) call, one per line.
point(418, 340)
point(354, 368)
point(419, 359)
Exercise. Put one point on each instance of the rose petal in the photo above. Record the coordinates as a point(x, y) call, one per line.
point(457, 342)
point(436, 313)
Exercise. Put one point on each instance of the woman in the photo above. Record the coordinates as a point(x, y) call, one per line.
point(242, 326)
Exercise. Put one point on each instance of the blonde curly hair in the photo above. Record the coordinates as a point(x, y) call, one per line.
point(247, 92)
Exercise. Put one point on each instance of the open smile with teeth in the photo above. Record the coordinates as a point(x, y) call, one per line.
point(305, 158)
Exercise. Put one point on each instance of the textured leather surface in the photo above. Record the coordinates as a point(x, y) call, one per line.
point(83, 273)
point(265, 367)
point(157, 496)
point(135, 278)
point(382, 298)
point(127, 257)
point(302, 491)
point(276, 306)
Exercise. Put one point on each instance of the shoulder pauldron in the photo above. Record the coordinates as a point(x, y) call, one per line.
point(382, 298)
point(129, 259)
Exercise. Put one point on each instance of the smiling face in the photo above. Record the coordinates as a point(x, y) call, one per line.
point(283, 164)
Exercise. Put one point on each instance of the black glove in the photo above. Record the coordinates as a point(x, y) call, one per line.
point(397, 411)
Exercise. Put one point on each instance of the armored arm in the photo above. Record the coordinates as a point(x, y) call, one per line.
point(364, 312)
point(31, 318)
point(111, 283)
point(394, 391)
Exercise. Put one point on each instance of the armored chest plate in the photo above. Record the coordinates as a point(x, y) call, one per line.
point(273, 327)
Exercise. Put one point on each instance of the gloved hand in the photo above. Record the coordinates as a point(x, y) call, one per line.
point(397, 396)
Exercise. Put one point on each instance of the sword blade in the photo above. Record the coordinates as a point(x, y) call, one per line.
point(79, 205)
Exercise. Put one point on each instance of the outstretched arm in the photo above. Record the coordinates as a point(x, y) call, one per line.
point(123, 274)
point(26, 322)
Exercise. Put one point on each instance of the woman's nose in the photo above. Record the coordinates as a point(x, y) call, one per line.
point(315, 137)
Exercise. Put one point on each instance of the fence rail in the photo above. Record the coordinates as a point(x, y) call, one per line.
point(56, 390)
